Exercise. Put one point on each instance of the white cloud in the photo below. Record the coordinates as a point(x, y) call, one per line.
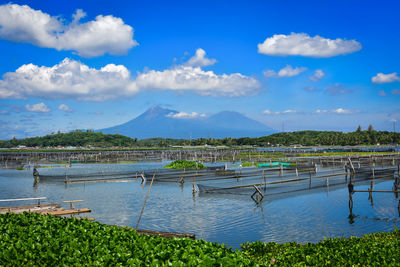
point(344, 111)
point(65, 108)
point(287, 71)
point(285, 112)
point(73, 79)
point(318, 75)
point(40, 107)
point(337, 89)
point(4, 112)
point(105, 34)
point(68, 79)
point(385, 78)
point(301, 44)
point(321, 111)
point(184, 115)
point(187, 78)
point(395, 92)
point(199, 59)
point(289, 111)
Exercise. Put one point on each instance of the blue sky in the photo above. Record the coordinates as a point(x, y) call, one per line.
point(297, 65)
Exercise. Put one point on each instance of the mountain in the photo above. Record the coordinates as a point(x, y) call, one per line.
point(160, 122)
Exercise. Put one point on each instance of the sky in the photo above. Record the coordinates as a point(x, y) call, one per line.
point(292, 65)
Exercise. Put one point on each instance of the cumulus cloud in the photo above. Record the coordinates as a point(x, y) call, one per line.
point(318, 75)
point(385, 78)
point(68, 79)
point(73, 79)
point(199, 59)
point(65, 108)
point(301, 44)
point(184, 115)
point(287, 71)
point(40, 107)
point(104, 34)
point(336, 89)
point(321, 111)
point(187, 78)
point(395, 92)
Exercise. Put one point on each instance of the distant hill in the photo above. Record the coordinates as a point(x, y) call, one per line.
point(160, 122)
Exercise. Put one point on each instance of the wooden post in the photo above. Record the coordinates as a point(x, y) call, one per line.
point(351, 165)
point(144, 204)
point(370, 193)
point(194, 183)
point(297, 174)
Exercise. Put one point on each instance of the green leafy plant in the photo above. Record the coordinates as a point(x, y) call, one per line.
point(32, 239)
point(185, 164)
point(369, 250)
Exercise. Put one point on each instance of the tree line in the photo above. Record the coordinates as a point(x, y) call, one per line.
point(80, 138)
point(77, 138)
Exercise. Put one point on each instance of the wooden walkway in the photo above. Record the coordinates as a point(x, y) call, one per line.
point(52, 208)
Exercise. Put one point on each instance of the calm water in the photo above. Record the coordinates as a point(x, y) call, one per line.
point(223, 218)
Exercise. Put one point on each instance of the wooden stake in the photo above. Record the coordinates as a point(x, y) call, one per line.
point(144, 204)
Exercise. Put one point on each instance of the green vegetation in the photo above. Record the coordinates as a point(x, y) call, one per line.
point(76, 138)
point(310, 138)
point(342, 154)
point(185, 164)
point(369, 250)
point(33, 239)
point(272, 155)
point(81, 138)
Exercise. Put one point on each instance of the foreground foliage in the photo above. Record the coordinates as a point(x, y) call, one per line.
point(33, 239)
point(369, 250)
point(185, 164)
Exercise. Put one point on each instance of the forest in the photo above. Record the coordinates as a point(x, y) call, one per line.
point(89, 138)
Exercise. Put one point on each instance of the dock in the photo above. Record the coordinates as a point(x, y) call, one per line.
point(166, 234)
point(51, 208)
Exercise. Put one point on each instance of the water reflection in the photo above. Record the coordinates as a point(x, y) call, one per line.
point(229, 218)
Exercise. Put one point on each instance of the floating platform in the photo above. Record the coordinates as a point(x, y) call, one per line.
point(53, 208)
point(30, 208)
point(166, 234)
point(66, 212)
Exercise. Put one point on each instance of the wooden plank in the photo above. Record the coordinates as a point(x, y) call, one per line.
point(166, 234)
point(98, 181)
point(22, 199)
point(32, 206)
point(70, 201)
point(377, 191)
point(66, 212)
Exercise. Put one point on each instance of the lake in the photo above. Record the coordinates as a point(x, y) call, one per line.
point(224, 218)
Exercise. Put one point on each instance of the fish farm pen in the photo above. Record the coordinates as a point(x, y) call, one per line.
point(21, 158)
point(268, 180)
